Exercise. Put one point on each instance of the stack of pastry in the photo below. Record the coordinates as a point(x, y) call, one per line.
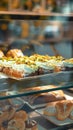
point(16, 65)
point(11, 119)
point(60, 109)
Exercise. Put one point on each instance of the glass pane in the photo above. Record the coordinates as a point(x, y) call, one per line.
point(13, 88)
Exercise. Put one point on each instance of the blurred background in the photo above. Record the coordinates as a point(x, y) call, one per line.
point(53, 36)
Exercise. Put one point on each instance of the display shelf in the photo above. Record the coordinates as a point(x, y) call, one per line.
point(48, 125)
point(17, 88)
point(35, 13)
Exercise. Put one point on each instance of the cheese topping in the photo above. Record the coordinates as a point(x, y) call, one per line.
point(45, 65)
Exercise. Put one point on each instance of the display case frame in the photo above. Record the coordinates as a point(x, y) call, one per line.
point(15, 83)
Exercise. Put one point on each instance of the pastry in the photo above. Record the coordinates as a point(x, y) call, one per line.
point(17, 124)
point(43, 64)
point(2, 128)
point(20, 70)
point(21, 115)
point(45, 97)
point(1, 54)
point(13, 72)
point(16, 65)
point(3, 117)
point(12, 120)
point(14, 53)
point(63, 109)
point(7, 114)
point(60, 109)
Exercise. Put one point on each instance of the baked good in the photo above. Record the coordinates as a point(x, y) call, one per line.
point(21, 115)
point(9, 71)
point(3, 117)
point(63, 109)
point(44, 65)
point(42, 62)
point(2, 128)
point(19, 71)
point(12, 119)
point(17, 124)
point(14, 53)
point(16, 65)
point(7, 114)
point(1, 54)
point(60, 109)
point(50, 109)
point(45, 97)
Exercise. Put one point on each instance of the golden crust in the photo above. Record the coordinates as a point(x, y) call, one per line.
point(1, 54)
point(13, 73)
point(21, 115)
point(7, 115)
point(2, 128)
point(14, 53)
point(3, 117)
point(16, 124)
point(64, 109)
point(60, 109)
point(16, 120)
point(42, 58)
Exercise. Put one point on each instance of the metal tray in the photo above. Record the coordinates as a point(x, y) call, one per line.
point(40, 104)
point(53, 119)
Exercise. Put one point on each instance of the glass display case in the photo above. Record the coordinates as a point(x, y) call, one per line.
point(41, 27)
point(21, 95)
